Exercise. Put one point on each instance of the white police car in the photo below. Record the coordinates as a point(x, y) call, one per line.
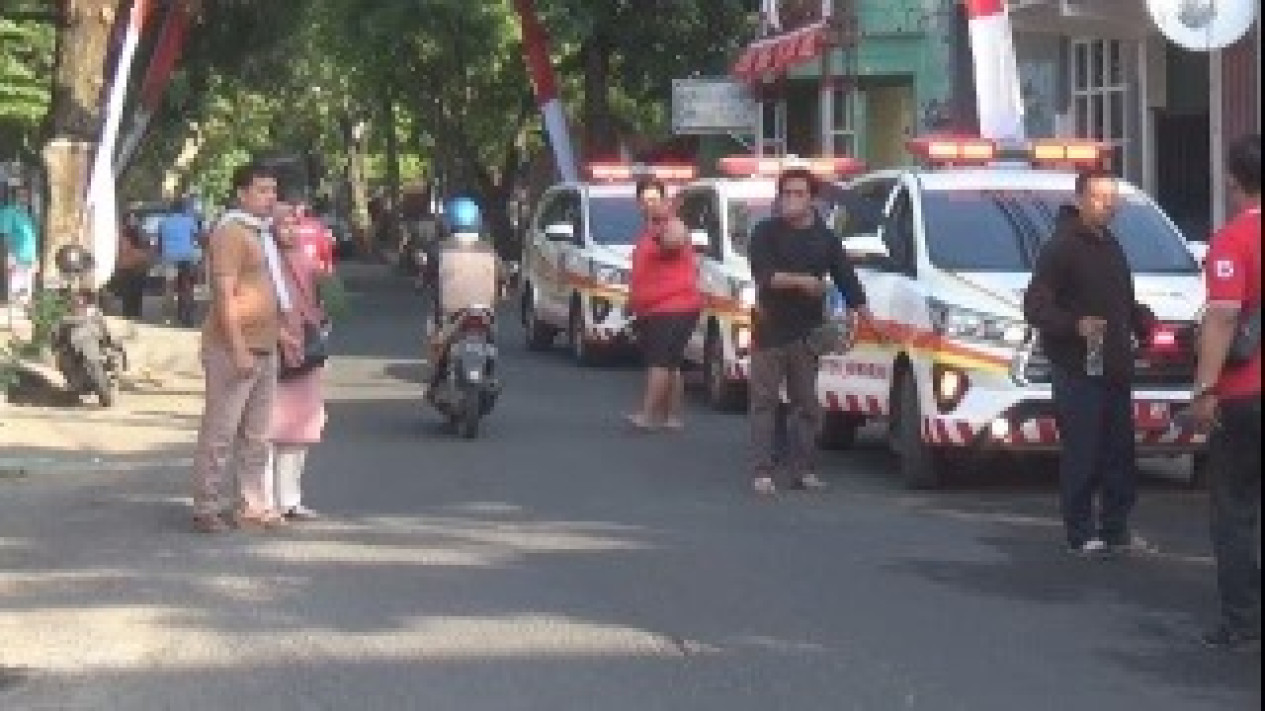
point(577, 258)
point(946, 252)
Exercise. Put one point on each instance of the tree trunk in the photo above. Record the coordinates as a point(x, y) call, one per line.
point(600, 142)
point(389, 124)
point(74, 117)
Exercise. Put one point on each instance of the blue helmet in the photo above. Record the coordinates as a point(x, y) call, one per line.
point(463, 215)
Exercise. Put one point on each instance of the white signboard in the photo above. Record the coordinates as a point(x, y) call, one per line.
point(701, 106)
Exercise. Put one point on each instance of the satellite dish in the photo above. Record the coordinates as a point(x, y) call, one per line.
point(1203, 25)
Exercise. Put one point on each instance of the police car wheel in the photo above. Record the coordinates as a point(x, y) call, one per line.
point(580, 351)
point(539, 335)
point(839, 431)
point(921, 466)
point(722, 394)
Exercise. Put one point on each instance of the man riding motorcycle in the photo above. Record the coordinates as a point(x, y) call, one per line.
point(464, 272)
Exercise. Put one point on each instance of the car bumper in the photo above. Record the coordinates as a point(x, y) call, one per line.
point(1030, 424)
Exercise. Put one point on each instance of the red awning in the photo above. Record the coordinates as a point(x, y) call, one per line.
point(777, 54)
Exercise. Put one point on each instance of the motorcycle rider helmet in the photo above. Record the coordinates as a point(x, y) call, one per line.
point(73, 260)
point(462, 215)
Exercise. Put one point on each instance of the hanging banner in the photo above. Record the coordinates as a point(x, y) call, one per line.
point(539, 66)
point(101, 206)
point(162, 65)
point(998, 91)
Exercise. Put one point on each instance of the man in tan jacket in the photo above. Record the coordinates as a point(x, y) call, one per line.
point(239, 356)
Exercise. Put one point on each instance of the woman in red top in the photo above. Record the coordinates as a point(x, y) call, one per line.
point(665, 300)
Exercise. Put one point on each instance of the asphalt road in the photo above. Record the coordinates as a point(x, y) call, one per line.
point(563, 562)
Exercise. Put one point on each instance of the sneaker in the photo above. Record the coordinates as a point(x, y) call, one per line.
point(300, 513)
point(1226, 638)
point(1130, 545)
point(1093, 548)
point(810, 482)
point(764, 485)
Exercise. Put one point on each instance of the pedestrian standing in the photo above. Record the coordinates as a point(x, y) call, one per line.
point(665, 300)
point(18, 230)
point(180, 239)
point(1081, 300)
point(298, 412)
point(792, 253)
point(239, 356)
point(128, 281)
point(1227, 402)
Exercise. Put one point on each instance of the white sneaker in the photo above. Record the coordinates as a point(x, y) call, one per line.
point(811, 482)
point(1093, 548)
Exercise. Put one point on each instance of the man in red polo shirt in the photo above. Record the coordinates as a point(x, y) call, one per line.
point(1227, 403)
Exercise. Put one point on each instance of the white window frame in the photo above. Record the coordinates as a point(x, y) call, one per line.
point(843, 131)
point(771, 143)
point(1094, 91)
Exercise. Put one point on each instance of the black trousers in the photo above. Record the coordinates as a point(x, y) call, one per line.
point(1234, 462)
point(1098, 456)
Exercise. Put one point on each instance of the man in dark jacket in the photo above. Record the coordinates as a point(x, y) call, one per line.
point(1081, 299)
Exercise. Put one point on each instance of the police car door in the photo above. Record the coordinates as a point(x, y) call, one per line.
point(865, 217)
point(545, 260)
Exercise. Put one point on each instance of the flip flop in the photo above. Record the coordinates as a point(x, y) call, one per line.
point(639, 423)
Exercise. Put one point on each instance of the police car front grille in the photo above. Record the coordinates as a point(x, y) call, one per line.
point(1173, 370)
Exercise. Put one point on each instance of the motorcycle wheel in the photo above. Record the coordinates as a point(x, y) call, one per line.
point(100, 384)
point(471, 412)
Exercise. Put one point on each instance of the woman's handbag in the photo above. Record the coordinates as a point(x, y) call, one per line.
point(314, 354)
point(315, 346)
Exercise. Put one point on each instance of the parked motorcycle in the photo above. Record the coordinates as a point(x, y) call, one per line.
point(86, 354)
point(466, 384)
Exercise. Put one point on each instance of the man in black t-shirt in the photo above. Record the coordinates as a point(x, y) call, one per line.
point(791, 256)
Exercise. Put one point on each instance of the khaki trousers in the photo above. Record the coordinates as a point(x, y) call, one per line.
point(237, 414)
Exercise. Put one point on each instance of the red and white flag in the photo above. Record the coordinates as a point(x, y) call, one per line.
point(539, 66)
point(102, 221)
point(998, 89)
point(162, 65)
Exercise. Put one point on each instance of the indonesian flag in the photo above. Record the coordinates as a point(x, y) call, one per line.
point(998, 90)
point(540, 68)
point(162, 65)
point(102, 201)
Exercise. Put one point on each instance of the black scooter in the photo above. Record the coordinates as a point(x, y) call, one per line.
point(466, 383)
point(86, 354)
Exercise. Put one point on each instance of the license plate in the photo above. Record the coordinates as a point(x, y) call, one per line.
point(1152, 415)
point(484, 349)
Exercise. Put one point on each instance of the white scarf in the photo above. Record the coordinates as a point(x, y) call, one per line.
point(263, 229)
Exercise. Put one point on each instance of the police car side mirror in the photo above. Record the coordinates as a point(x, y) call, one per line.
point(700, 240)
point(868, 250)
point(1198, 250)
point(560, 232)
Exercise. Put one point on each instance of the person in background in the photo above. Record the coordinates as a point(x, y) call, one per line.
point(18, 230)
point(1227, 403)
point(180, 239)
point(666, 302)
point(1081, 301)
point(298, 410)
point(128, 281)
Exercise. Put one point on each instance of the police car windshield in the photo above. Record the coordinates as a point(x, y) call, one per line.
point(614, 220)
point(1002, 231)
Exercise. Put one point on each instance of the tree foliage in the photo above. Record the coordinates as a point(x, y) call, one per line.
point(26, 59)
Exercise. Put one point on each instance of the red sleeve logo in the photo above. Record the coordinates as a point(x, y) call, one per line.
point(1224, 269)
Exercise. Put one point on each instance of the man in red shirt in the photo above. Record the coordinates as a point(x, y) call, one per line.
point(1227, 403)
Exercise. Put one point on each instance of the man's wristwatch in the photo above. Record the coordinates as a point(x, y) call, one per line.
point(1201, 390)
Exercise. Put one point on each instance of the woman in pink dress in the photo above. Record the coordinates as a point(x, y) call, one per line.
point(298, 414)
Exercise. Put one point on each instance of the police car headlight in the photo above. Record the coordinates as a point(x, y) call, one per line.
point(969, 325)
point(612, 276)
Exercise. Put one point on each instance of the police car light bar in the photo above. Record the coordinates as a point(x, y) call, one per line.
point(1074, 153)
point(946, 150)
point(753, 166)
point(625, 172)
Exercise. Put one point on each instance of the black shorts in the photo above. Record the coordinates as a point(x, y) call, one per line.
point(663, 337)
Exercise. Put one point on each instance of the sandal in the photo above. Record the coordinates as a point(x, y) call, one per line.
point(259, 520)
point(764, 485)
point(210, 523)
point(675, 424)
point(640, 423)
